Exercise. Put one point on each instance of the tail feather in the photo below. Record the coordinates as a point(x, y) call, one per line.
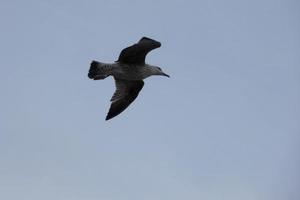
point(98, 70)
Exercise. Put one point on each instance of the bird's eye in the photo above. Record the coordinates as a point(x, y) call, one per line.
point(159, 68)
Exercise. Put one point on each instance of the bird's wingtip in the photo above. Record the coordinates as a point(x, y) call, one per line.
point(151, 40)
point(108, 117)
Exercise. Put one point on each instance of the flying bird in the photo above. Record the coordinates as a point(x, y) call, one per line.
point(128, 71)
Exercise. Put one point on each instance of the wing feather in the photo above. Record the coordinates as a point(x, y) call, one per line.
point(126, 92)
point(136, 54)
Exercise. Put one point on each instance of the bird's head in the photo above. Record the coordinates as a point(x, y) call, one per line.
point(158, 71)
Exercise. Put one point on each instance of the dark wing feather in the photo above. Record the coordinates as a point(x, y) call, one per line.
point(126, 92)
point(136, 53)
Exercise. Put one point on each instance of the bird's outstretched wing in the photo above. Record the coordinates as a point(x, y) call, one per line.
point(126, 92)
point(136, 53)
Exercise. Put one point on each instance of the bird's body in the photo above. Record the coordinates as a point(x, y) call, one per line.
point(131, 72)
point(128, 71)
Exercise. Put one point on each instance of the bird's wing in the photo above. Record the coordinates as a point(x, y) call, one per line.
point(126, 92)
point(136, 53)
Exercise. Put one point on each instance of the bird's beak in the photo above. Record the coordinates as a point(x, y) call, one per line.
point(164, 74)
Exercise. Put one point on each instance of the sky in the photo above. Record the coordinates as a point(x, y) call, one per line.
point(225, 126)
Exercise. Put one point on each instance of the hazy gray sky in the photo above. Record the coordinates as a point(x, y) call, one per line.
point(224, 127)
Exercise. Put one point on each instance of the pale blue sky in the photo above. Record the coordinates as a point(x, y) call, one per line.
point(225, 126)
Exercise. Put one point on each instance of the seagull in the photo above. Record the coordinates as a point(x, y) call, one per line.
point(128, 71)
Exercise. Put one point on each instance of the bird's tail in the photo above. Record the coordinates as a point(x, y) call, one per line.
point(99, 70)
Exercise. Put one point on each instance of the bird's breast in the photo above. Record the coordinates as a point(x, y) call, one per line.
point(130, 72)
